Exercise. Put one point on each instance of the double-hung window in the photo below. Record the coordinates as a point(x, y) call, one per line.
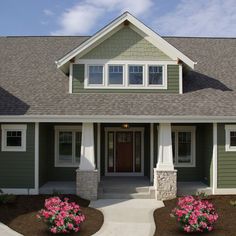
point(14, 138)
point(230, 138)
point(95, 74)
point(183, 146)
point(155, 75)
point(136, 74)
point(115, 74)
point(67, 146)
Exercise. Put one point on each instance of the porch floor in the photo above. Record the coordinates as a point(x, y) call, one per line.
point(62, 187)
point(192, 188)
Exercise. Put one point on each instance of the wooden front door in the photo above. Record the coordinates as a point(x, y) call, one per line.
point(124, 152)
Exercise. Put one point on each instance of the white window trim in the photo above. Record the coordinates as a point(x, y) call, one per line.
point(191, 129)
point(87, 76)
point(107, 76)
point(105, 63)
point(21, 128)
point(228, 129)
point(72, 129)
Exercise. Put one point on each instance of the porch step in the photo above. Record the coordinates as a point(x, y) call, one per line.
point(126, 189)
point(125, 196)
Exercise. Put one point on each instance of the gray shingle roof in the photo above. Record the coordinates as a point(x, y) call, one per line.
point(30, 83)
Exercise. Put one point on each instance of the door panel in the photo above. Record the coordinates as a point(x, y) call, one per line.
point(124, 152)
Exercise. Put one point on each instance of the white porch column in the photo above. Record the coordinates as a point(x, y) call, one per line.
point(87, 159)
point(165, 177)
point(165, 155)
point(86, 175)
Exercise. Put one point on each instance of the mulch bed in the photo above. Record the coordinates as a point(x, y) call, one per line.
point(225, 226)
point(21, 216)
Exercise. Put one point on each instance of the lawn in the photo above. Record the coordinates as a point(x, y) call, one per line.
point(225, 226)
point(21, 216)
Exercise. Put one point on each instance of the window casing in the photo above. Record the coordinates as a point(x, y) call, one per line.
point(230, 138)
point(67, 146)
point(126, 74)
point(183, 146)
point(14, 138)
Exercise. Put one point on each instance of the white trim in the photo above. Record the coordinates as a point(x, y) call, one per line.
point(191, 129)
point(180, 79)
point(20, 191)
point(14, 127)
point(58, 129)
point(151, 151)
point(118, 129)
point(152, 37)
point(223, 191)
point(36, 158)
point(214, 159)
point(228, 129)
point(71, 78)
point(99, 151)
point(117, 119)
point(125, 63)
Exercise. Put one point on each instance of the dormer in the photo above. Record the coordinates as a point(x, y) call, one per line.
point(125, 56)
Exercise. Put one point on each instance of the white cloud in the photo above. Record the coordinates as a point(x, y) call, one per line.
point(48, 12)
point(199, 18)
point(83, 17)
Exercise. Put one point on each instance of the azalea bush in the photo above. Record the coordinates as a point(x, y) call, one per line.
point(195, 214)
point(61, 216)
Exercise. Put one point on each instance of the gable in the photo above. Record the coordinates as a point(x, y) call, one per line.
point(126, 44)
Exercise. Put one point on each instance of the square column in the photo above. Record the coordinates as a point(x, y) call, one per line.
point(165, 177)
point(86, 175)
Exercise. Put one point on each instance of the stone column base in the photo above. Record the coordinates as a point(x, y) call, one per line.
point(87, 184)
point(165, 184)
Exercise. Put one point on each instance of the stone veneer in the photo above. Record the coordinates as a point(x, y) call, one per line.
point(165, 184)
point(87, 184)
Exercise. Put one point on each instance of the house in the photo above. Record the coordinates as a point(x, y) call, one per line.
point(124, 102)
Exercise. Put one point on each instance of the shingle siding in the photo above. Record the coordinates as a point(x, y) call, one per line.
point(17, 168)
point(126, 44)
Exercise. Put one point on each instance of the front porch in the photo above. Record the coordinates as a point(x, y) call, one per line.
point(123, 157)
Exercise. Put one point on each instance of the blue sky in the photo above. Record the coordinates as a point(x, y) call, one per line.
point(85, 17)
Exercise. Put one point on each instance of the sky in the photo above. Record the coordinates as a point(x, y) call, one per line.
point(214, 18)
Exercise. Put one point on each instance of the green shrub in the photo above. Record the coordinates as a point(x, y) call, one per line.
point(7, 198)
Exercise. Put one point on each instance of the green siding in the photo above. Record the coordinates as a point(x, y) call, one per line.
point(172, 82)
point(226, 162)
point(17, 168)
point(126, 44)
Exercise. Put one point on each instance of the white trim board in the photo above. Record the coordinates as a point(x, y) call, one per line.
point(116, 119)
point(152, 37)
point(20, 191)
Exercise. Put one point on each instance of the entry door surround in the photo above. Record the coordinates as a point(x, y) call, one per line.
point(120, 168)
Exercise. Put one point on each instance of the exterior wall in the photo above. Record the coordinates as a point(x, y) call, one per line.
point(17, 168)
point(126, 44)
point(226, 164)
point(47, 169)
point(172, 82)
point(203, 169)
point(146, 146)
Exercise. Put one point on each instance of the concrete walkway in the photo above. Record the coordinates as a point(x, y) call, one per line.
point(6, 231)
point(127, 217)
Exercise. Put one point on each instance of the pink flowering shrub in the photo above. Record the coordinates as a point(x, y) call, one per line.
point(194, 214)
point(61, 216)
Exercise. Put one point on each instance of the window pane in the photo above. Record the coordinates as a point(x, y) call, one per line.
point(137, 151)
point(77, 146)
point(184, 147)
point(115, 74)
point(232, 138)
point(14, 138)
point(155, 75)
point(95, 74)
point(110, 152)
point(136, 75)
point(65, 147)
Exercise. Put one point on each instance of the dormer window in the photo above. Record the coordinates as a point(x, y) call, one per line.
point(135, 75)
point(155, 75)
point(95, 75)
point(116, 74)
